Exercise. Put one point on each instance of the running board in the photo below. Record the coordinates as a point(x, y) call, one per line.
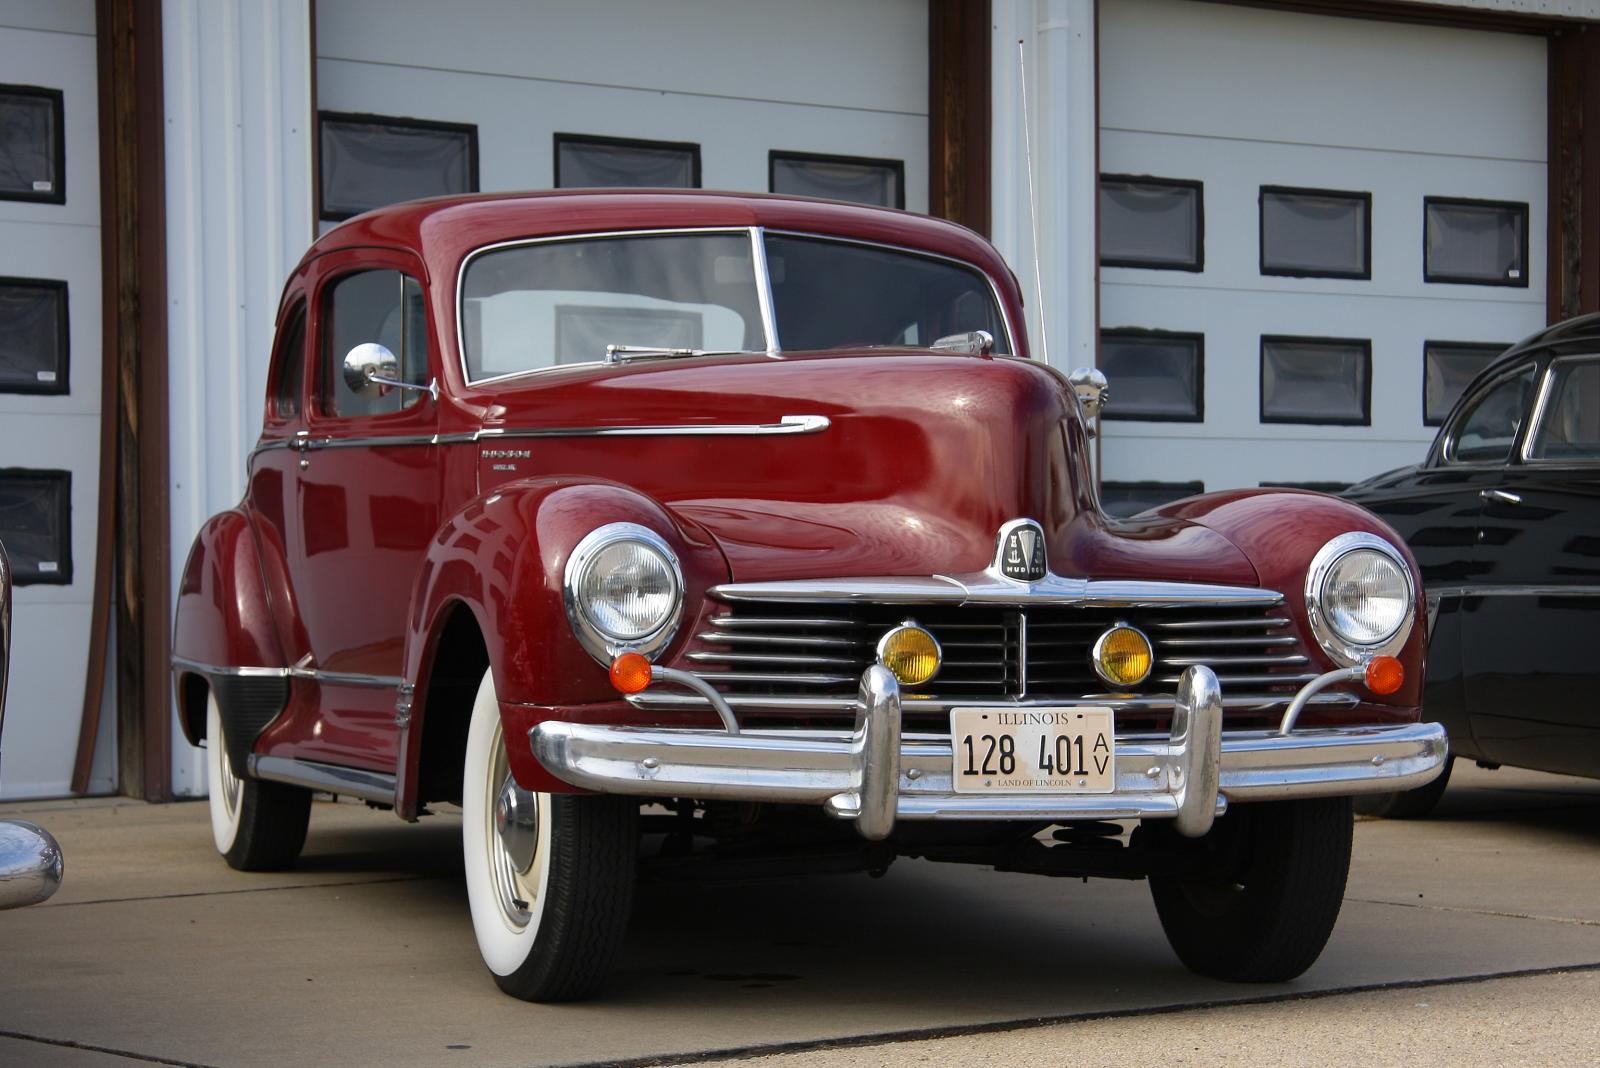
point(329, 778)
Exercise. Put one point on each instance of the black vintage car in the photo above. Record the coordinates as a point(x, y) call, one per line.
point(1504, 518)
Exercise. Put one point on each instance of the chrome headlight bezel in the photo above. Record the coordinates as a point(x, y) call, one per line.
point(596, 641)
point(1345, 652)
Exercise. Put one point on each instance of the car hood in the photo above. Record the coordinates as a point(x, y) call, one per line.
point(921, 458)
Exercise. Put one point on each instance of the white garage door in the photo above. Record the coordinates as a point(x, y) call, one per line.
point(49, 382)
point(723, 94)
point(1330, 222)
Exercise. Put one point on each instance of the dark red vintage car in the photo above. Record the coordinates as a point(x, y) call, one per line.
point(652, 525)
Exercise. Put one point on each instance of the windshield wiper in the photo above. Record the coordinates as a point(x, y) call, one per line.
point(630, 353)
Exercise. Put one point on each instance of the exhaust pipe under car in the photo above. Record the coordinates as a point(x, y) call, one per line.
point(30, 858)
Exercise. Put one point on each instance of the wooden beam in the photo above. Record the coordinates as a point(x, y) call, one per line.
point(133, 269)
point(958, 111)
point(1574, 168)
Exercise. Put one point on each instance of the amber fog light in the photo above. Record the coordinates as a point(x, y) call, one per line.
point(910, 653)
point(1122, 656)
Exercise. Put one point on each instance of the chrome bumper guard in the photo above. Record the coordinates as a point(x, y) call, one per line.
point(876, 775)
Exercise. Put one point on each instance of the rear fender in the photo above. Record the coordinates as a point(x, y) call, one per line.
point(223, 623)
point(502, 557)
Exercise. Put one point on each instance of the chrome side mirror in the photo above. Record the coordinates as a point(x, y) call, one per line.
point(369, 368)
point(972, 343)
point(1090, 386)
point(371, 371)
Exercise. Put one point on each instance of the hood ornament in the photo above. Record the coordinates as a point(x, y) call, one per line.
point(1019, 551)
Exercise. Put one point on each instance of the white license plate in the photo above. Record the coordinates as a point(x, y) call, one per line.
point(1033, 750)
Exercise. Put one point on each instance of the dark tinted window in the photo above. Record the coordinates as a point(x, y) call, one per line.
point(378, 306)
point(1478, 242)
point(1151, 222)
point(1153, 375)
point(1448, 366)
point(368, 161)
point(1488, 427)
point(33, 336)
point(832, 294)
point(1316, 380)
point(1315, 233)
point(32, 153)
point(290, 364)
point(36, 524)
point(864, 181)
point(612, 163)
point(1570, 428)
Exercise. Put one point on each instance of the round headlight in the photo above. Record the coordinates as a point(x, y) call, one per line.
point(1359, 597)
point(623, 590)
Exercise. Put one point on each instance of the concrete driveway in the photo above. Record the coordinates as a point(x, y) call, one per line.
point(156, 952)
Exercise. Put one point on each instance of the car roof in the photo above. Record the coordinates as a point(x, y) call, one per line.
point(444, 230)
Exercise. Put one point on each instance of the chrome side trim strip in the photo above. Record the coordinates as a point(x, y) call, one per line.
point(336, 678)
point(330, 778)
point(1512, 591)
point(986, 589)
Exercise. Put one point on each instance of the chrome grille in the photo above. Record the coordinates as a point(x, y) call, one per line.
point(1040, 652)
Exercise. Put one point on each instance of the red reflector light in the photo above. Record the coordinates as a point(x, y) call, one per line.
point(630, 673)
point(1385, 675)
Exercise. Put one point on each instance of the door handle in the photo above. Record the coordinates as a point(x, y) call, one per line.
point(1500, 495)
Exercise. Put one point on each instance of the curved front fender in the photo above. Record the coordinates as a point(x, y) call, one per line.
point(502, 557)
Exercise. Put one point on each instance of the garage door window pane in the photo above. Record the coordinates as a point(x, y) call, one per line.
point(1447, 368)
point(33, 336)
point(32, 157)
point(1315, 380)
point(1477, 242)
point(1151, 222)
point(1489, 425)
point(1129, 498)
point(613, 163)
point(1153, 375)
point(369, 161)
point(35, 525)
point(864, 181)
point(1570, 429)
point(1312, 233)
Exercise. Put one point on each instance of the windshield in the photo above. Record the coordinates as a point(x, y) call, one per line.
point(535, 305)
point(830, 294)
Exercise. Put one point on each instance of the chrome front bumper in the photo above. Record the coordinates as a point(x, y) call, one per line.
point(876, 775)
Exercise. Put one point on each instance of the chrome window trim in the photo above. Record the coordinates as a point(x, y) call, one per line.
point(1346, 653)
point(1547, 386)
point(603, 647)
point(769, 314)
point(522, 242)
point(994, 290)
point(1447, 452)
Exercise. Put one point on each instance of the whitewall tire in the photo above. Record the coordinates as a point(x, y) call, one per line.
point(257, 826)
point(549, 876)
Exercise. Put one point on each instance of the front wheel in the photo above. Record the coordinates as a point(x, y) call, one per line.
point(1263, 901)
point(257, 826)
point(549, 876)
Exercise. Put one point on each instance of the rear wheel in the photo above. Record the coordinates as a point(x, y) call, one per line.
point(1263, 903)
point(257, 826)
point(549, 876)
point(1406, 804)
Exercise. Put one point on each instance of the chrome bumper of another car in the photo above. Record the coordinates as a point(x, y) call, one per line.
point(876, 775)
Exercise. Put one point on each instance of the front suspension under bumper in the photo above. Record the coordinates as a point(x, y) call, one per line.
point(876, 775)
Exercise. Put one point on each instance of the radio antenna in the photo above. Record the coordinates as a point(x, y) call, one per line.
point(1033, 205)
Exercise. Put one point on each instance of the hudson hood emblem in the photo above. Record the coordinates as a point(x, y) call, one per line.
point(1021, 551)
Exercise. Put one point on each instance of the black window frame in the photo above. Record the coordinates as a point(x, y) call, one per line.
point(1199, 416)
point(1428, 276)
point(896, 165)
point(62, 575)
point(57, 98)
point(559, 139)
point(1199, 264)
point(1364, 343)
point(468, 128)
point(1489, 347)
point(1365, 274)
point(1444, 452)
point(62, 385)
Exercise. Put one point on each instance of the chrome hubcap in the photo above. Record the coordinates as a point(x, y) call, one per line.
point(512, 817)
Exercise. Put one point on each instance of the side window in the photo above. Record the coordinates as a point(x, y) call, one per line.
point(385, 307)
point(1489, 425)
point(1570, 429)
point(290, 365)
